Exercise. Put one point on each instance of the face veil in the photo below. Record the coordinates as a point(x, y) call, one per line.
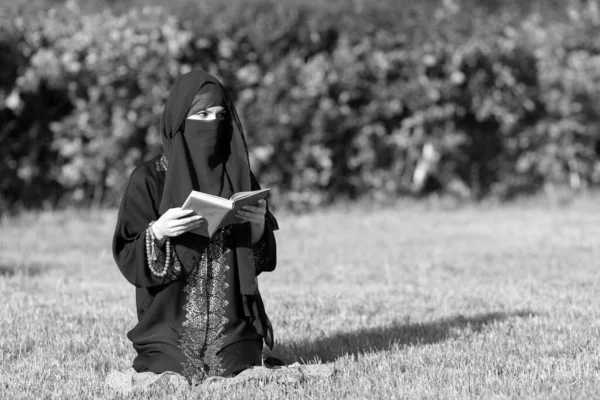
point(207, 156)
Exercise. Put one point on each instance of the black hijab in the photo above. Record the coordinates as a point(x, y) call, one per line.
point(207, 156)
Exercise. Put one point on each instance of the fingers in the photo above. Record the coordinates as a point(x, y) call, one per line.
point(178, 223)
point(187, 227)
point(249, 210)
point(253, 214)
point(261, 208)
point(193, 224)
point(183, 225)
point(250, 216)
point(251, 220)
point(178, 212)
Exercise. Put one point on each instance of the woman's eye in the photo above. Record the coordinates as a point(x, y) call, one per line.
point(208, 115)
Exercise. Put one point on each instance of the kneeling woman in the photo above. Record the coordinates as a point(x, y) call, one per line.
point(199, 309)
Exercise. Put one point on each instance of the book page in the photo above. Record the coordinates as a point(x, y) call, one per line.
point(196, 196)
point(242, 195)
point(219, 212)
point(212, 208)
point(250, 198)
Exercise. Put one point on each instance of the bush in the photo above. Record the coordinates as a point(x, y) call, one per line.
point(335, 103)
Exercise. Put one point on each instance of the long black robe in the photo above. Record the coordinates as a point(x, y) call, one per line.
point(190, 323)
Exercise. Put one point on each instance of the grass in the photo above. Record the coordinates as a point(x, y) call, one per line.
point(488, 302)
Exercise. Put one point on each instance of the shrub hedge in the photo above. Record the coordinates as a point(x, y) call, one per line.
point(336, 102)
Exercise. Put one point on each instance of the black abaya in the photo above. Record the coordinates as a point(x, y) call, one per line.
point(190, 323)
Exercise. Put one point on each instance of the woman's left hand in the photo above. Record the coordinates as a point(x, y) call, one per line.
point(256, 216)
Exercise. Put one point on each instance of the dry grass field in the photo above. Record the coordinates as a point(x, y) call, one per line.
point(478, 302)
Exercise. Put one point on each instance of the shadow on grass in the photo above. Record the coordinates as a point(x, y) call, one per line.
point(384, 338)
point(26, 270)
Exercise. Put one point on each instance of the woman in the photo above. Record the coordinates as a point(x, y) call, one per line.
point(199, 310)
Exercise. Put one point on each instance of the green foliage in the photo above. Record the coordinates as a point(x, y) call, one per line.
point(336, 101)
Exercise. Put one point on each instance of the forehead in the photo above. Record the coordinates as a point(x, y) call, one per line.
point(214, 109)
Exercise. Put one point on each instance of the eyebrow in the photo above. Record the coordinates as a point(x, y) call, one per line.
point(206, 110)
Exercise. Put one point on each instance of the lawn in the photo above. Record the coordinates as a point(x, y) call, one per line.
point(407, 302)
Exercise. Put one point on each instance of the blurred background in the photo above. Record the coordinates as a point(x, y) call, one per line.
point(340, 99)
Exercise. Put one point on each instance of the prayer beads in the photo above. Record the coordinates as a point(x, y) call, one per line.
point(151, 254)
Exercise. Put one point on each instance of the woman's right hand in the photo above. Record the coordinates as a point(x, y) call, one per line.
point(174, 222)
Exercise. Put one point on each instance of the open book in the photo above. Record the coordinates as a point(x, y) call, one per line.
point(217, 211)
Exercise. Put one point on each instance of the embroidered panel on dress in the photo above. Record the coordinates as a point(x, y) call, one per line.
point(201, 338)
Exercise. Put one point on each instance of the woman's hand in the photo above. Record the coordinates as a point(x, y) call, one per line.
point(174, 222)
point(256, 216)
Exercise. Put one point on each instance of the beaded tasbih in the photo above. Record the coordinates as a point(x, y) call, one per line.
point(152, 255)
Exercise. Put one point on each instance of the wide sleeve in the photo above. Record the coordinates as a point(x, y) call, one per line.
point(265, 251)
point(129, 246)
